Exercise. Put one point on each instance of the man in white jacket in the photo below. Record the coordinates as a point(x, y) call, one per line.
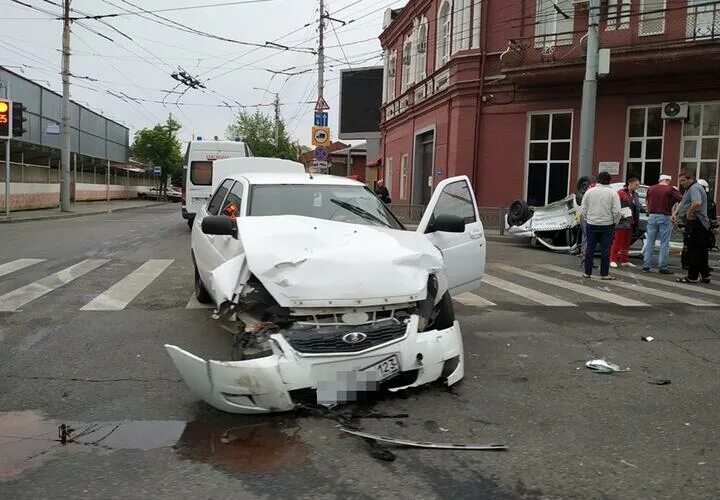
point(601, 211)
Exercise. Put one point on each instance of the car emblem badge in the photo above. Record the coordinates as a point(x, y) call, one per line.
point(354, 337)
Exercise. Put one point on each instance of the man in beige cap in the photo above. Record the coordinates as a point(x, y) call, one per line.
point(660, 200)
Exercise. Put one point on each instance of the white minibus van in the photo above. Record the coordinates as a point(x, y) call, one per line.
point(198, 171)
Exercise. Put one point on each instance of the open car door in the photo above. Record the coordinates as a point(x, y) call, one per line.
point(463, 250)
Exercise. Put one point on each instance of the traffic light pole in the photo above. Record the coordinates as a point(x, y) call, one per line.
point(65, 155)
point(4, 84)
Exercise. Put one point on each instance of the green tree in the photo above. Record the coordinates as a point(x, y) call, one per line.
point(258, 132)
point(161, 147)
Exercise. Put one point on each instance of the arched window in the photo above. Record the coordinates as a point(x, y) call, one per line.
point(408, 76)
point(461, 25)
point(443, 36)
point(421, 35)
point(389, 83)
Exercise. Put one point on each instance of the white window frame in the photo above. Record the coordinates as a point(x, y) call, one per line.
point(461, 31)
point(387, 177)
point(443, 41)
point(549, 142)
point(643, 154)
point(421, 39)
point(390, 72)
point(651, 18)
point(697, 159)
point(618, 15)
point(476, 24)
point(403, 176)
point(551, 28)
point(408, 70)
point(707, 10)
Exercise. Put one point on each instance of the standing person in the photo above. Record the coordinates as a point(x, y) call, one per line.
point(693, 212)
point(711, 207)
point(660, 201)
point(382, 192)
point(601, 211)
point(629, 200)
point(583, 236)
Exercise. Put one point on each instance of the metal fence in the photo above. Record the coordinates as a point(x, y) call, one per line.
point(46, 174)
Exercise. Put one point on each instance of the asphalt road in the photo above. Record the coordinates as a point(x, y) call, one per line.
point(572, 433)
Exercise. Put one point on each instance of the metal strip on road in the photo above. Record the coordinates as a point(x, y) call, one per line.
point(671, 283)
point(581, 289)
point(682, 299)
point(118, 296)
point(16, 265)
point(472, 300)
point(527, 293)
point(11, 301)
point(194, 303)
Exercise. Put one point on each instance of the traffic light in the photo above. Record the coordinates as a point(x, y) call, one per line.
point(18, 119)
point(4, 119)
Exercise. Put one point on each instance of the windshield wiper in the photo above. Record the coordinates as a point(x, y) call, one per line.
point(360, 212)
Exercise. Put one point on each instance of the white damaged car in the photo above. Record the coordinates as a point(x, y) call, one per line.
point(331, 297)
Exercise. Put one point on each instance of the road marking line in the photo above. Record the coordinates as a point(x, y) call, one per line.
point(11, 301)
point(671, 283)
point(193, 303)
point(582, 289)
point(16, 265)
point(118, 296)
point(527, 293)
point(683, 299)
point(470, 299)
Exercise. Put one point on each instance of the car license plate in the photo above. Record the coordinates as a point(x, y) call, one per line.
point(385, 368)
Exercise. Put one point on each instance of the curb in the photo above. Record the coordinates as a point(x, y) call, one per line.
point(73, 215)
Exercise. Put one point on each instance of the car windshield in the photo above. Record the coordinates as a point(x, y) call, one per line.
point(356, 204)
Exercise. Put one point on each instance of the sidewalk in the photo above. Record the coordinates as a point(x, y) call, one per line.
point(79, 209)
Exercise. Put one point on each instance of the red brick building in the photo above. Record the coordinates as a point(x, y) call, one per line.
point(492, 89)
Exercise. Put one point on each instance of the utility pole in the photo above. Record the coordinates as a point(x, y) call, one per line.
point(321, 52)
point(276, 103)
point(65, 155)
point(589, 95)
point(5, 85)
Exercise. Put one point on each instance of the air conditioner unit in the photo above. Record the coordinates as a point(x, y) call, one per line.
point(391, 71)
point(422, 47)
point(674, 111)
point(406, 60)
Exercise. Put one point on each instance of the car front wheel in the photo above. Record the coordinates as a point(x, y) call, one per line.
point(201, 293)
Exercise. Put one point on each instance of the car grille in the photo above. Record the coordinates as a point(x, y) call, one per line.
point(330, 340)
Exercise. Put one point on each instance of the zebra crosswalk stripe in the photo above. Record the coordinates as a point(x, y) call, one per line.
point(118, 296)
point(527, 293)
point(17, 298)
point(683, 299)
point(16, 265)
point(470, 299)
point(574, 287)
point(670, 283)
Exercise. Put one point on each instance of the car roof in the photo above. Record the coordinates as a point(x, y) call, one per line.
point(295, 178)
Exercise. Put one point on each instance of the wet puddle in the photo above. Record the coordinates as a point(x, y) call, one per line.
point(228, 442)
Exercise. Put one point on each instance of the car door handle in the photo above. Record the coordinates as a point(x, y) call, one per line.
point(475, 234)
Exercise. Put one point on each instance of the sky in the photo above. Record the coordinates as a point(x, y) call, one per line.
point(122, 65)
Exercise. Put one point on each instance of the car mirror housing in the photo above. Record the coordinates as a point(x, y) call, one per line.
point(447, 223)
point(219, 225)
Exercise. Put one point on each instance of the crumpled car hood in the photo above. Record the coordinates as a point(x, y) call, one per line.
point(308, 262)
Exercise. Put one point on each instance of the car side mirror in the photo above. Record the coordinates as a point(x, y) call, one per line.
point(218, 225)
point(447, 224)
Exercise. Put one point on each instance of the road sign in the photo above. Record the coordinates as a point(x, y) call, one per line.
point(5, 119)
point(320, 136)
point(157, 171)
point(321, 154)
point(321, 119)
point(321, 105)
point(53, 129)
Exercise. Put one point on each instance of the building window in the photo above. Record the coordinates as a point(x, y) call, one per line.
point(389, 174)
point(703, 19)
point(548, 175)
point(476, 22)
point(390, 68)
point(701, 142)
point(554, 23)
point(421, 36)
point(403, 176)
point(618, 14)
point(444, 21)
point(407, 66)
point(652, 17)
point(645, 144)
point(461, 25)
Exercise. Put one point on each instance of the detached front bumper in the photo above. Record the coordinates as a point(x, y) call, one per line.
point(268, 384)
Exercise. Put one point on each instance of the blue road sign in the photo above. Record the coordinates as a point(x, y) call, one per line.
point(321, 154)
point(321, 119)
point(157, 171)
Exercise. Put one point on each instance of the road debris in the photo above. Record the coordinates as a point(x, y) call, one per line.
point(602, 366)
point(648, 338)
point(660, 381)
point(424, 444)
point(628, 464)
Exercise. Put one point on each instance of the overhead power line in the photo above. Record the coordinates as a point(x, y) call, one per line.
point(173, 9)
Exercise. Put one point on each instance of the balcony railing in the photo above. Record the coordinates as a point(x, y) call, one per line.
point(703, 21)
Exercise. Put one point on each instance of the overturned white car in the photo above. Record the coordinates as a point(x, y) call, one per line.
point(330, 296)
